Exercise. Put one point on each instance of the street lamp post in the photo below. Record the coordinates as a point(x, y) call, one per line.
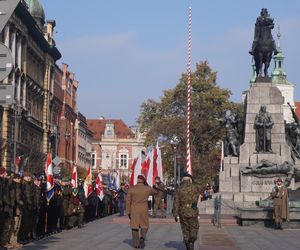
point(174, 142)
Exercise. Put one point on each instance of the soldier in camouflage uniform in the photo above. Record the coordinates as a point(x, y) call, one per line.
point(16, 204)
point(5, 210)
point(66, 196)
point(159, 196)
point(27, 209)
point(36, 207)
point(185, 209)
point(75, 213)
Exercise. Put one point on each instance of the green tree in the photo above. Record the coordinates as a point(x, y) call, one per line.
point(167, 117)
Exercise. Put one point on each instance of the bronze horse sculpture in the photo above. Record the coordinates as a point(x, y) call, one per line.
point(263, 45)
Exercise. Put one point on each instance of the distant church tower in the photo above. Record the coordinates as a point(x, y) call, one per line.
point(279, 78)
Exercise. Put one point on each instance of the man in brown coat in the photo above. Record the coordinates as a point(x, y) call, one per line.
point(137, 211)
point(280, 202)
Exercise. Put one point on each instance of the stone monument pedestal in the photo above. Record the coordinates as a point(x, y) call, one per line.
point(242, 188)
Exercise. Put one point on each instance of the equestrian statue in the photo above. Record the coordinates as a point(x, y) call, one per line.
point(263, 45)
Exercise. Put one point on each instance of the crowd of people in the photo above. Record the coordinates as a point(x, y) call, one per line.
point(27, 213)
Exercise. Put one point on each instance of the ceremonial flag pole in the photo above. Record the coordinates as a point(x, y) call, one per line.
point(188, 143)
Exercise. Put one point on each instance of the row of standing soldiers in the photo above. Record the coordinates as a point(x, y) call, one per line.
point(26, 214)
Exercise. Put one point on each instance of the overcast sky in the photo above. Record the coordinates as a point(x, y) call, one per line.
point(125, 52)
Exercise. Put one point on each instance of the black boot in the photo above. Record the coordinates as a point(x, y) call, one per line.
point(142, 243)
point(187, 245)
point(191, 245)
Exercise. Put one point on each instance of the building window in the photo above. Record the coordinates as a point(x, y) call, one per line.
point(93, 160)
point(123, 161)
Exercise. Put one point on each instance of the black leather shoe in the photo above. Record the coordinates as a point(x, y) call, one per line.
point(142, 243)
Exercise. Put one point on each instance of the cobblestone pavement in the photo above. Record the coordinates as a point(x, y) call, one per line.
point(105, 234)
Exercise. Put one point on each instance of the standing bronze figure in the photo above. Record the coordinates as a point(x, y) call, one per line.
point(263, 45)
point(263, 124)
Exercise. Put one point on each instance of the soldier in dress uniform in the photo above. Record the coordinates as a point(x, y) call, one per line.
point(185, 209)
point(159, 198)
point(137, 210)
point(280, 201)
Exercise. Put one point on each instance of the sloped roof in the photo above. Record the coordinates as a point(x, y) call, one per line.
point(97, 126)
point(297, 104)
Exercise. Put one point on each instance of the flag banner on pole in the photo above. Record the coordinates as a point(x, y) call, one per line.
point(87, 186)
point(116, 180)
point(137, 169)
point(150, 171)
point(131, 181)
point(146, 165)
point(49, 176)
point(74, 181)
point(159, 164)
point(100, 187)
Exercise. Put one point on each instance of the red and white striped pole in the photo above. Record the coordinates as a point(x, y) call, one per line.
point(188, 144)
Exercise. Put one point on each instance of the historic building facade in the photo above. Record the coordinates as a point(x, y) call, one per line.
point(114, 146)
point(67, 135)
point(26, 125)
point(84, 142)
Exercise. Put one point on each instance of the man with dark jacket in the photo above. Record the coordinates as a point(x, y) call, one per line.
point(159, 197)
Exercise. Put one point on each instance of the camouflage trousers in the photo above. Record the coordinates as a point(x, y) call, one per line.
point(5, 222)
point(189, 228)
point(159, 203)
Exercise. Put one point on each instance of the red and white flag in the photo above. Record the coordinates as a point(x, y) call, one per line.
point(99, 187)
point(146, 165)
point(88, 189)
point(159, 164)
point(49, 176)
point(150, 171)
point(74, 181)
point(131, 181)
point(136, 170)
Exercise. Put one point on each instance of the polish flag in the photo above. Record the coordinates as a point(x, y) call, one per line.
point(87, 186)
point(159, 164)
point(74, 181)
point(150, 171)
point(155, 166)
point(49, 175)
point(135, 170)
point(131, 181)
point(99, 187)
point(146, 165)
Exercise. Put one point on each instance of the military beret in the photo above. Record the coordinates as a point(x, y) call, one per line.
point(141, 177)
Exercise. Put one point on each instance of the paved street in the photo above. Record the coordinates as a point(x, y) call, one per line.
point(106, 234)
